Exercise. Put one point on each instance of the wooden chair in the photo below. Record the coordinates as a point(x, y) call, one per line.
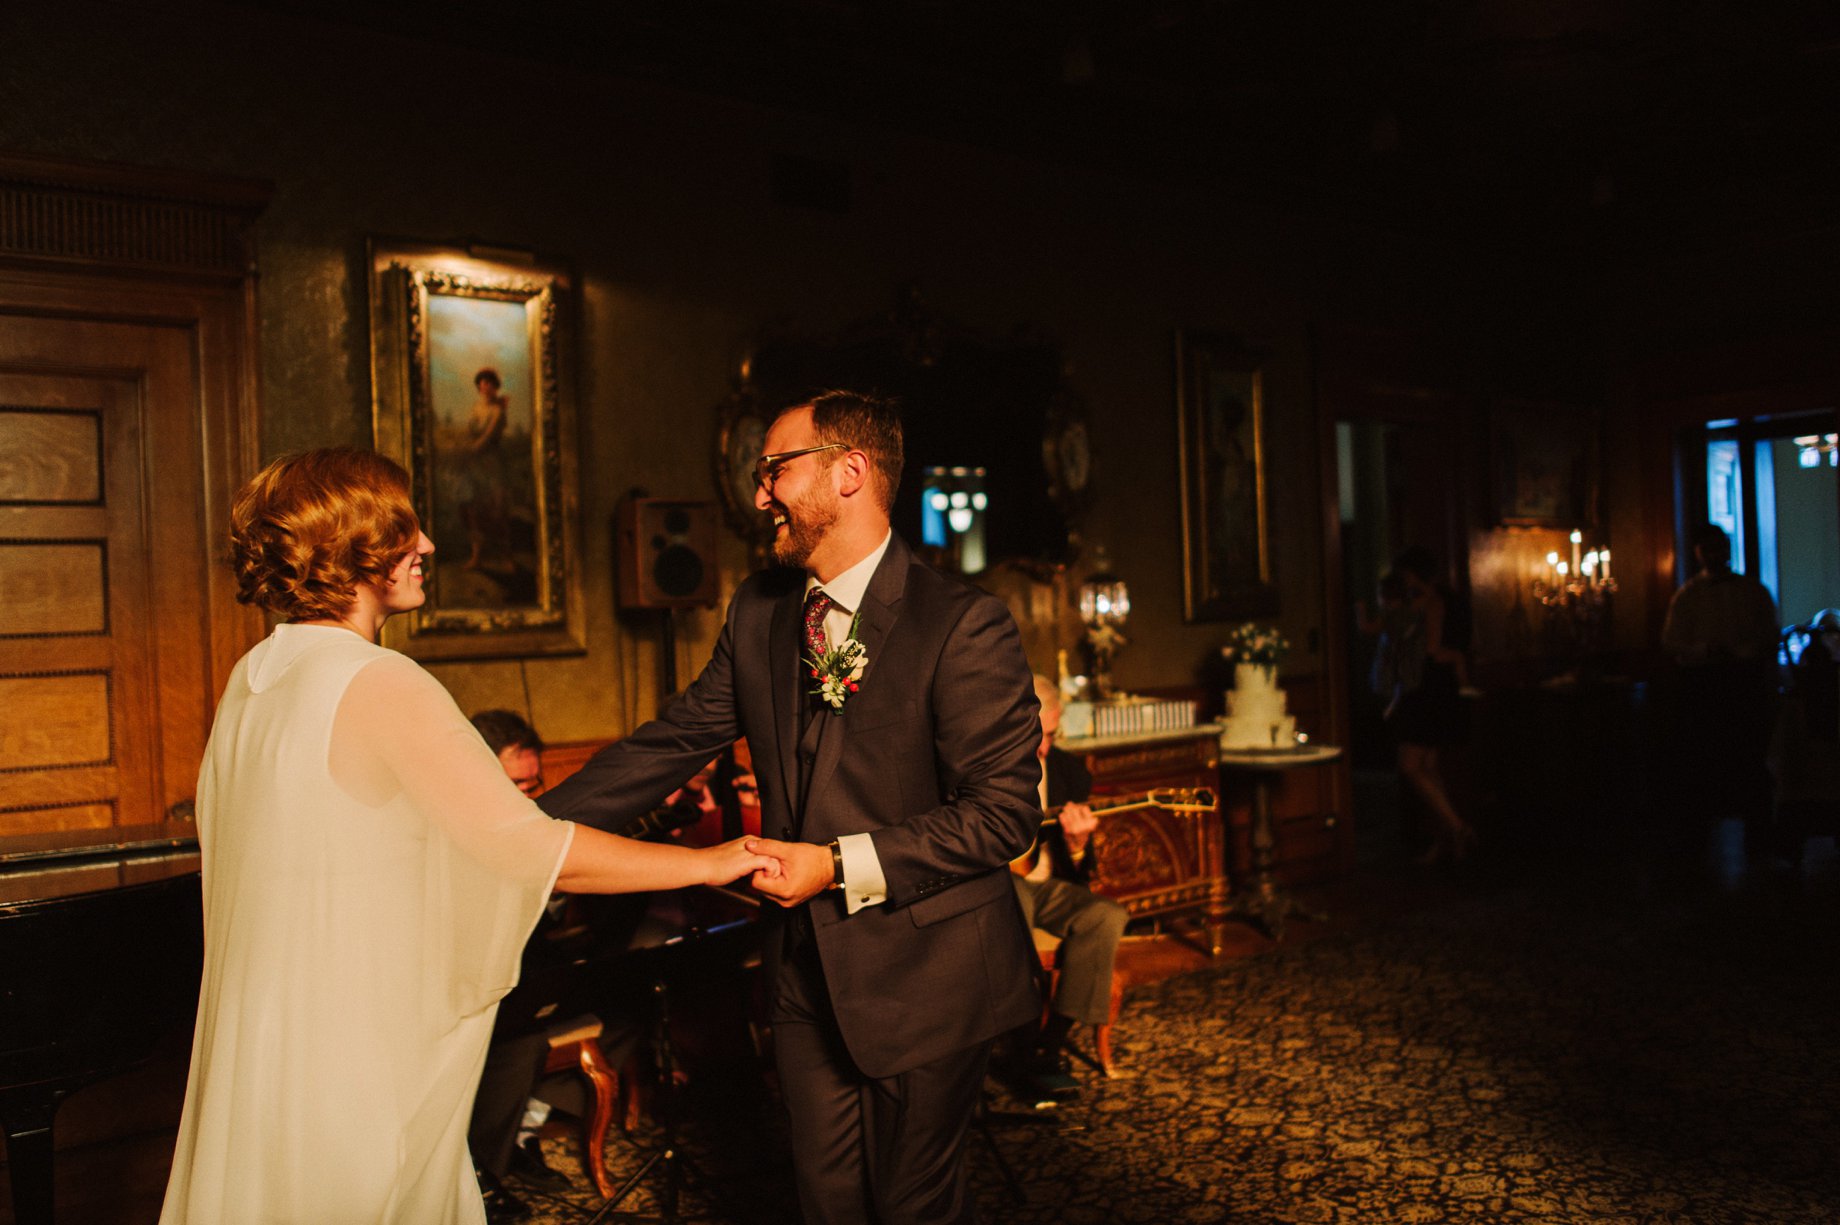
point(575, 1046)
point(1045, 946)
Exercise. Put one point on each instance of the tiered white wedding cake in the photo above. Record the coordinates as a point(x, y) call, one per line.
point(1255, 711)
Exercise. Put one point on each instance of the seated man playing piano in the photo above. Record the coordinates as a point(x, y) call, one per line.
point(1051, 886)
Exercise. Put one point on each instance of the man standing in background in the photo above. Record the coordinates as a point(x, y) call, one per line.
point(1721, 629)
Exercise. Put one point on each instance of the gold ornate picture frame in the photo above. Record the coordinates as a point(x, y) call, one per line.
point(1226, 529)
point(470, 361)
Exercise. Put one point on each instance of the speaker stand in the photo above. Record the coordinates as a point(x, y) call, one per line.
point(667, 670)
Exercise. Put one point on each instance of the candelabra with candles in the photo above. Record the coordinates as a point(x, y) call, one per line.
point(1576, 594)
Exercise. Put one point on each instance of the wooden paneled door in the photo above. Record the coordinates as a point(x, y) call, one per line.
point(126, 418)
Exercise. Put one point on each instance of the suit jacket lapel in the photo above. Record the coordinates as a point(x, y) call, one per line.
point(880, 609)
point(783, 649)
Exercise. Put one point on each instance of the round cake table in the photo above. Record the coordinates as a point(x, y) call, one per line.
point(1267, 903)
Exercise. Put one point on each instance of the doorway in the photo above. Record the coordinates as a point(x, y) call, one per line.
point(1772, 483)
point(127, 419)
point(1397, 488)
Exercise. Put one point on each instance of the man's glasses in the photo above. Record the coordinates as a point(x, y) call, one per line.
point(767, 467)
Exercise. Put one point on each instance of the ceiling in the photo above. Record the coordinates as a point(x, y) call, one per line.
point(1567, 123)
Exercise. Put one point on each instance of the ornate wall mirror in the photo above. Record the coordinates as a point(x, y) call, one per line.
point(968, 403)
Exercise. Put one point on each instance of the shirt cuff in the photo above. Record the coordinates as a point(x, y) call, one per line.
point(863, 882)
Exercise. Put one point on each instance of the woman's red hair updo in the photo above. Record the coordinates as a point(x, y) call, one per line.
point(309, 528)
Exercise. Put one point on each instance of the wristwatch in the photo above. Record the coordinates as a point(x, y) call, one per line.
point(836, 865)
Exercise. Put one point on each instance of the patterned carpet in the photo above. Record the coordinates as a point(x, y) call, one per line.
point(1525, 1051)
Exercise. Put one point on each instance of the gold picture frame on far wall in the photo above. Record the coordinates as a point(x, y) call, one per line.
point(1226, 528)
point(470, 361)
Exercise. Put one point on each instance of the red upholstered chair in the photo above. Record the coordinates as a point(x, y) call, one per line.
point(577, 1047)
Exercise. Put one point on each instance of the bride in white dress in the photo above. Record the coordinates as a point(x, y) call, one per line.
point(370, 877)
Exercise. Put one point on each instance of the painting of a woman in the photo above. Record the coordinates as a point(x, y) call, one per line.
point(482, 390)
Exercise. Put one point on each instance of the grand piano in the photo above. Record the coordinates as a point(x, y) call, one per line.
point(101, 947)
point(101, 944)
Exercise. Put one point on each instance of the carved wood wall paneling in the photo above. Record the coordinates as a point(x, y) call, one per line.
point(127, 420)
point(153, 234)
point(119, 217)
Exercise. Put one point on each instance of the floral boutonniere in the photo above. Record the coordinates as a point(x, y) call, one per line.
point(837, 670)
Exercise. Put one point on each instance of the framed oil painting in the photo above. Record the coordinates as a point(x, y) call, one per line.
point(469, 365)
point(1543, 461)
point(1226, 532)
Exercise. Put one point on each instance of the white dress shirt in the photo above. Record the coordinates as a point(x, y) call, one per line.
point(1042, 869)
point(863, 881)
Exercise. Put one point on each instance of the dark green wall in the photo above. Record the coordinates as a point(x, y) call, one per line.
point(662, 201)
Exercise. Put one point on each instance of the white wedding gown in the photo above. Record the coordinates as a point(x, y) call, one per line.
point(370, 877)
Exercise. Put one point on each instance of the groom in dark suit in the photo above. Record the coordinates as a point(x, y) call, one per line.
point(894, 795)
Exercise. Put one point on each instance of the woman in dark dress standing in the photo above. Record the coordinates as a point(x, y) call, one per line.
point(1429, 714)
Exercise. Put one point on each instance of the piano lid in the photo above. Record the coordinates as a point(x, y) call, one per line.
point(68, 862)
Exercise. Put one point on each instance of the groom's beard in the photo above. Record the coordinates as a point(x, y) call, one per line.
point(807, 520)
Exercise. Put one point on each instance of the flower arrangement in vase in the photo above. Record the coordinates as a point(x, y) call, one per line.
point(1254, 646)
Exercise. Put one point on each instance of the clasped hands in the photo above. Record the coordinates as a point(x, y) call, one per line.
point(798, 871)
point(787, 872)
point(794, 872)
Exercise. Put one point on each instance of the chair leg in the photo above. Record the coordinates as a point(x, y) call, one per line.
point(1102, 1037)
point(1051, 973)
point(601, 1075)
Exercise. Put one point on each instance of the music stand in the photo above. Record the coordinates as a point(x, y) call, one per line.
point(1046, 1112)
point(657, 963)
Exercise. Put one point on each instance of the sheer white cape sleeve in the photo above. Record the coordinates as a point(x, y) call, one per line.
point(492, 855)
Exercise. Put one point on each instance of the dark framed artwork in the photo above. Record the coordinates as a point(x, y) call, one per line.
point(1543, 461)
point(1226, 529)
point(968, 401)
point(469, 362)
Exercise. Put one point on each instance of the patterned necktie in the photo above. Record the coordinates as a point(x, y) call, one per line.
point(817, 604)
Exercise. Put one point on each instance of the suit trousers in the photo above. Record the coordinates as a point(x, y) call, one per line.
point(864, 1149)
point(513, 1067)
point(1089, 928)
